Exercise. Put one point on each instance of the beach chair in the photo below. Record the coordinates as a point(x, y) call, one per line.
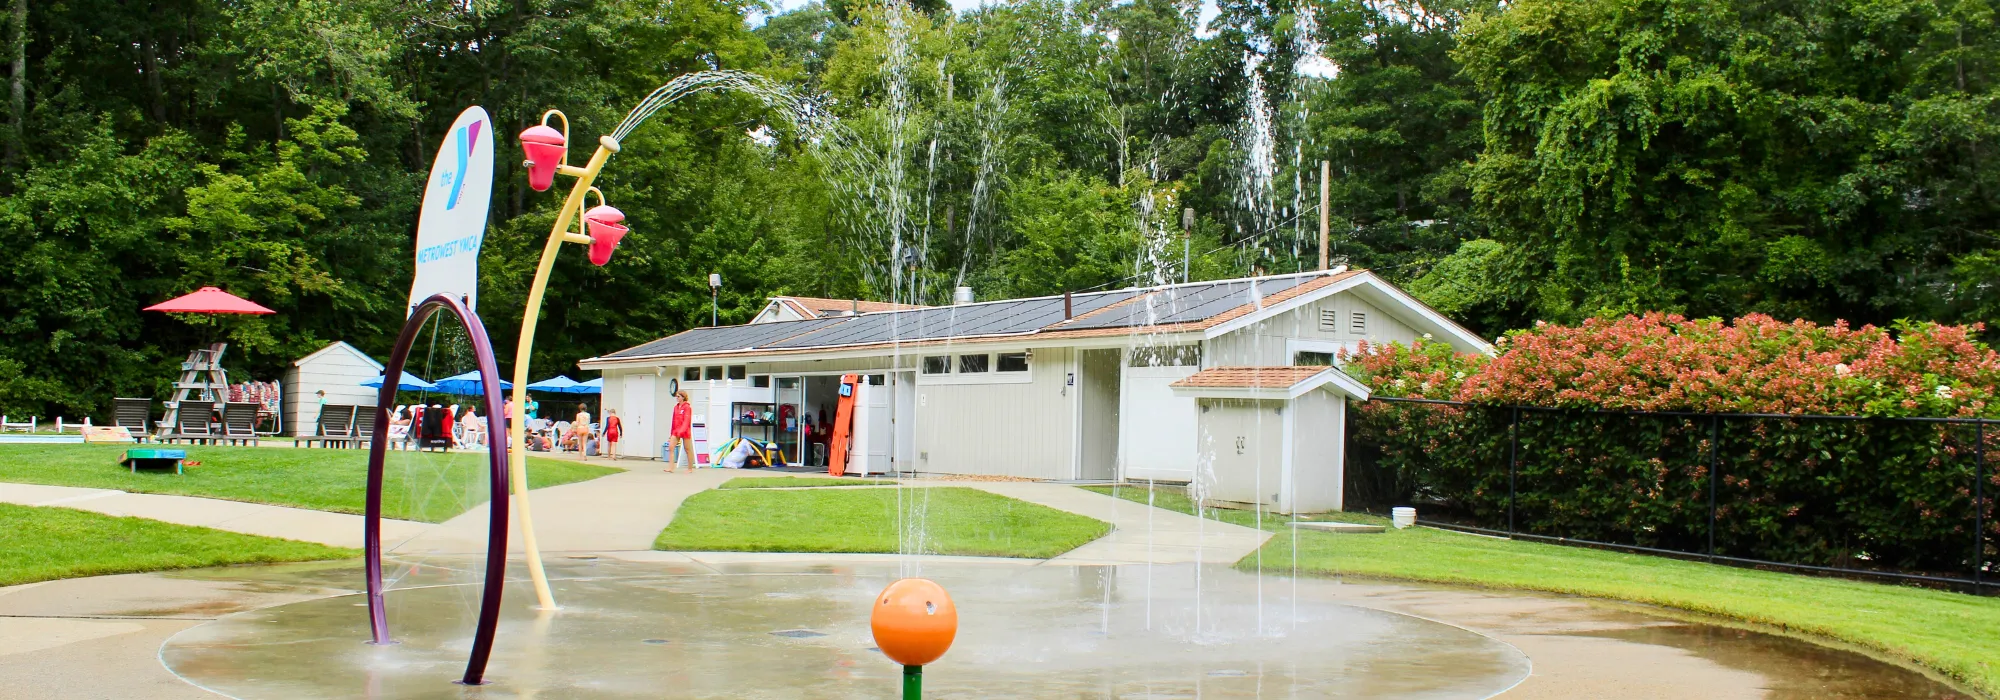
point(364, 426)
point(193, 424)
point(135, 416)
point(239, 423)
point(336, 426)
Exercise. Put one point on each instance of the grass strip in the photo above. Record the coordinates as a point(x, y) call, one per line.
point(43, 544)
point(795, 482)
point(1957, 635)
point(946, 520)
point(423, 486)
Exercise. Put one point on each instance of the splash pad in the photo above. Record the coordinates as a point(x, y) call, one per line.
point(771, 630)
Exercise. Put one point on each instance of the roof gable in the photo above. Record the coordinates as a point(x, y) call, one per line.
point(338, 346)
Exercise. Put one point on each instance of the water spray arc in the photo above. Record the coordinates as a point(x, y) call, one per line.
point(547, 155)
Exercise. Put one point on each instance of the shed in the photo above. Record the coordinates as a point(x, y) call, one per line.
point(1271, 436)
point(338, 369)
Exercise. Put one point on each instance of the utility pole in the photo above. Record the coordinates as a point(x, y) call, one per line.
point(1325, 200)
point(1187, 232)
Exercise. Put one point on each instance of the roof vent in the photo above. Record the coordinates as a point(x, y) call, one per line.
point(961, 295)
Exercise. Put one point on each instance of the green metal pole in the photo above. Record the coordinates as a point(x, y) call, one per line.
point(913, 682)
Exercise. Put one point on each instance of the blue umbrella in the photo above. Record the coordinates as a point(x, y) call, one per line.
point(410, 382)
point(558, 384)
point(467, 384)
point(594, 386)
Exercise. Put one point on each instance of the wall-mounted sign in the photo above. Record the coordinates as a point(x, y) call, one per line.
point(453, 221)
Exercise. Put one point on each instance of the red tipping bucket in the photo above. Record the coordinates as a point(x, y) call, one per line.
point(603, 221)
point(545, 148)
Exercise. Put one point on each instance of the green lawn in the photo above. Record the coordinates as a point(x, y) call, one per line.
point(793, 482)
point(430, 487)
point(1955, 634)
point(52, 543)
point(959, 521)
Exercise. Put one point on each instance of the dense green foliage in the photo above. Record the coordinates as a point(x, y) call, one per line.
point(1542, 159)
point(1943, 631)
point(1610, 444)
point(942, 520)
point(429, 487)
point(52, 543)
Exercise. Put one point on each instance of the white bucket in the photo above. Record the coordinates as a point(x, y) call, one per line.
point(1403, 516)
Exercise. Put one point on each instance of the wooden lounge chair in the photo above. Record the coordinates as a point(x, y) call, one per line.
point(239, 423)
point(193, 424)
point(135, 416)
point(336, 426)
point(364, 426)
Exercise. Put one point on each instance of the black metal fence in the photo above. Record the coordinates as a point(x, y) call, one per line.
point(1897, 498)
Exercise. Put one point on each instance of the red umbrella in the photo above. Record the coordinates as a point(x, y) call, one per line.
point(210, 300)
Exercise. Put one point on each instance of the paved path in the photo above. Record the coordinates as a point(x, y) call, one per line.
point(337, 529)
point(626, 511)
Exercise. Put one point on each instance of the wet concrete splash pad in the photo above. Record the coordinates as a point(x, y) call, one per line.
point(771, 631)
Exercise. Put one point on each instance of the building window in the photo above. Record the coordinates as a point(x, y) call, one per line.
point(1329, 320)
point(877, 379)
point(1013, 362)
point(1360, 323)
point(761, 381)
point(1166, 356)
point(711, 373)
point(973, 364)
point(788, 382)
point(1308, 358)
point(691, 374)
point(737, 371)
point(937, 364)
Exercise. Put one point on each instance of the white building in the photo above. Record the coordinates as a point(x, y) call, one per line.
point(1074, 387)
point(338, 369)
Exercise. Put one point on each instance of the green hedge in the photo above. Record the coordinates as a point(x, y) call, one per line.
point(1874, 493)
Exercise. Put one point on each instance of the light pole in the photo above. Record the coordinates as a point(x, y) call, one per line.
point(714, 291)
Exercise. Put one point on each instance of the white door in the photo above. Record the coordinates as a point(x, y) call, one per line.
point(1158, 428)
point(636, 410)
point(868, 451)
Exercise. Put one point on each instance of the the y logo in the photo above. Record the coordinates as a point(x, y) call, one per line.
point(467, 136)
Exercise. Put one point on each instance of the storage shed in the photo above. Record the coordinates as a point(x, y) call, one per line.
point(338, 369)
point(1270, 436)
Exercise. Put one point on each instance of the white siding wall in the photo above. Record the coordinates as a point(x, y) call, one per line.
point(1016, 429)
point(339, 372)
point(1319, 426)
point(1266, 343)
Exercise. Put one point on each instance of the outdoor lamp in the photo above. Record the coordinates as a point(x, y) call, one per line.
point(546, 149)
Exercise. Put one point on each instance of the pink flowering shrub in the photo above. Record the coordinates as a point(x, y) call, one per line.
point(1869, 493)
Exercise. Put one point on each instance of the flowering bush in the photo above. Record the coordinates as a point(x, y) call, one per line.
point(1881, 492)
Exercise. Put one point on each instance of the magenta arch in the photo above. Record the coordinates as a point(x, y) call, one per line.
point(378, 451)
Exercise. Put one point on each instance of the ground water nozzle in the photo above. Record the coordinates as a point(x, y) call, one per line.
point(914, 623)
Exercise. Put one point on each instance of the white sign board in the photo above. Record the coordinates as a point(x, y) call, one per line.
point(453, 221)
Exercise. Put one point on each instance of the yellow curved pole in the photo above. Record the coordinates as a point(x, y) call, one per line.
point(517, 436)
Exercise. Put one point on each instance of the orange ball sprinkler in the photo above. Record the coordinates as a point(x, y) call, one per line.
point(914, 623)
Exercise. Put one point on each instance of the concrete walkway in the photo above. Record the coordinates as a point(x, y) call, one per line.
point(626, 511)
point(337, 529)
point(1140, 533)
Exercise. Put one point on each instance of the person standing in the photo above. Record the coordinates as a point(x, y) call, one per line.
point(322, 408)
point(613, 429)
point(580, 427)
point(531, 407)
point(680, 437)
